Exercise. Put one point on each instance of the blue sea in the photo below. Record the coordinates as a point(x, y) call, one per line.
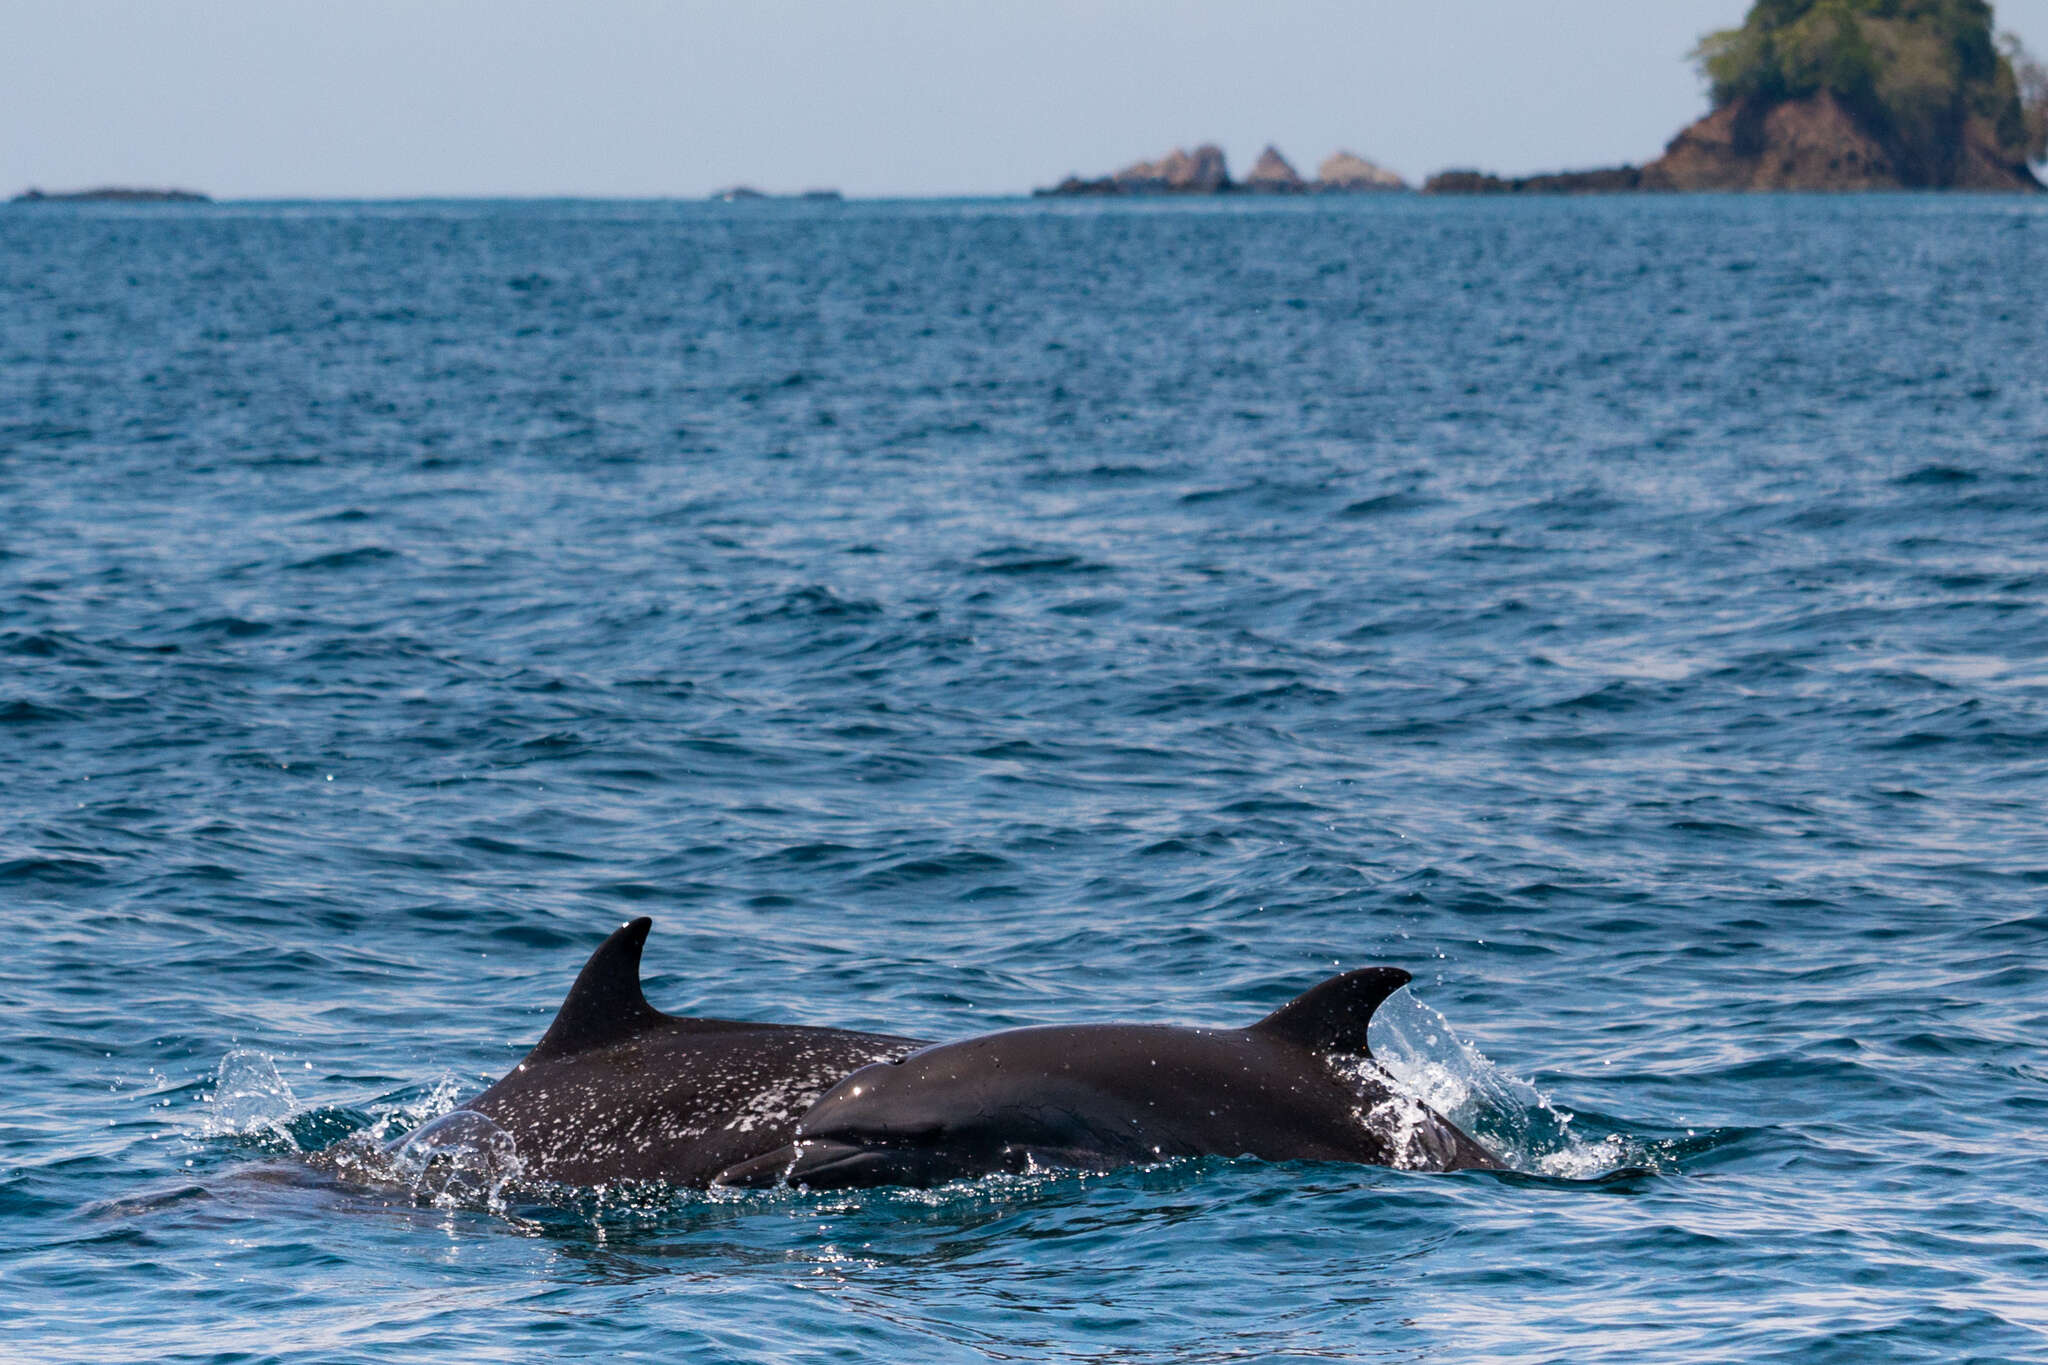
point(1629, 615)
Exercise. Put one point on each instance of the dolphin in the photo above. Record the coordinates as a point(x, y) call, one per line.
point(617, 1090)
point(1299, 1085)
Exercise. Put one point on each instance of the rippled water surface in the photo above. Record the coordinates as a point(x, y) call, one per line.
point(1628, 615)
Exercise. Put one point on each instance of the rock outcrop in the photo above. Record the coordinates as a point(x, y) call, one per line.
point(1271, 174)
point(1816, 143)
point(1180, 171)
point(1809, 144)
point(1351, 173)
point(1819, 143)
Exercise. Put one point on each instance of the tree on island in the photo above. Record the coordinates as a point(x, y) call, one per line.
point(1927, 76)
point(2033, 79)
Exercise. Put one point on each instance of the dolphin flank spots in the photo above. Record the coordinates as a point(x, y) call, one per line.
point(617, 1090)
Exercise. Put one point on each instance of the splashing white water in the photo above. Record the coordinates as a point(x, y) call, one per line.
point(396, 1117)
point(1418, 1050)
point(460, 1158)
point(250, 1098)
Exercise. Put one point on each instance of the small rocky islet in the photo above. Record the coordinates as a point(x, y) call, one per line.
point(111, 194)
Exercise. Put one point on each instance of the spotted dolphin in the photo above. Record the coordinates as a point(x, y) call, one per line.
point(1299, 1085)
point(617, 1090)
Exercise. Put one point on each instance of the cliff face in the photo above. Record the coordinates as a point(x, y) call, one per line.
point(1808, 144)
point(1819, 143)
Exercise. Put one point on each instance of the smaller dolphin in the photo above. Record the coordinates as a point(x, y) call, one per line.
point(1099, 1096)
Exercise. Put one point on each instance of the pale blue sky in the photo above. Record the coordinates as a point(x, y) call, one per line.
point(675, 97)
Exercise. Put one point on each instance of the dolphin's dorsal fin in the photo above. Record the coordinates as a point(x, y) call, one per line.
point(605, 1005)
point(1332, 1017)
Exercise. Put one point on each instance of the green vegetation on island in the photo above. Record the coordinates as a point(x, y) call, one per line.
point(1841, 95)
point(1927, 77)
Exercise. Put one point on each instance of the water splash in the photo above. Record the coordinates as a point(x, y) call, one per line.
point(396, 1114)
point(1419, 1051)
point(250, 1098)
point(460, 1159)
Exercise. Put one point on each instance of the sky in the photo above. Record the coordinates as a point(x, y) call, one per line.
point(400, 98)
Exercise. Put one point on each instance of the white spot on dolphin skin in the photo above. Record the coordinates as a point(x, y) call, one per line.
point(778, 1104)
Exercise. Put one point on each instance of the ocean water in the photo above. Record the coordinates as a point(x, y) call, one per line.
point(1626, 614)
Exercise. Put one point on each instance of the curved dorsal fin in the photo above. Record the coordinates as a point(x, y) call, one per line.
point(605, 1005)
point(1332, 1017)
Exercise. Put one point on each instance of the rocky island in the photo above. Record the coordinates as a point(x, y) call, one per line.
point(1204, 171)
point(113, 194)
point(1841, 95)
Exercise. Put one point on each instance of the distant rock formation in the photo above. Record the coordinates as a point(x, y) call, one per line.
point(1841, 95)
point(1203, 171)
point(114, 194)
point(1271, 174)
point(1810, 144)
point(1180, 171)
point(1349, 172)
point(1815, 143)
